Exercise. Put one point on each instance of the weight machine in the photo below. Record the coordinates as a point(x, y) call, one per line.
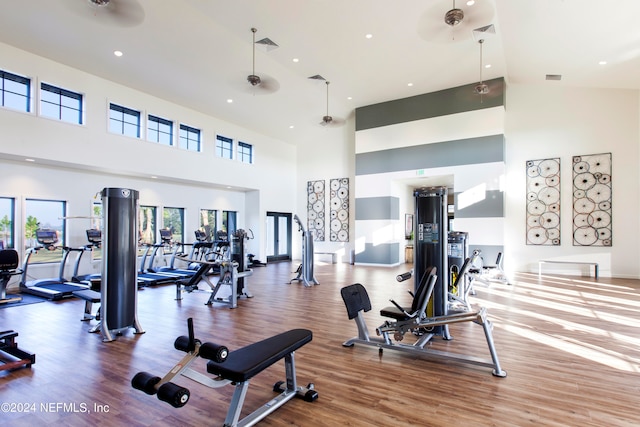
point(305, 269)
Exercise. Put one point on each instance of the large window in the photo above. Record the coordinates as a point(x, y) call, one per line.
point(60, 104)
point(229, 223)
point(208, 221)
point(173, 219)
point(124, 121)
point(44, 215)
point(15, 91)
point(147, 225)
point(224, 147)
point(189, 138)
point(245, 152)
point(160, 130)
point(7, 209)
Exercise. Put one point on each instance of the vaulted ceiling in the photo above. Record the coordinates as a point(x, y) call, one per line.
point(198, 53)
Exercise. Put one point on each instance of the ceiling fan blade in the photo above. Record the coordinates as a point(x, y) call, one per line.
point(115, 13)
point(432, 28)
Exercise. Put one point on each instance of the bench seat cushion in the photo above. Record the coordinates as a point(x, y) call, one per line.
point(244, 363)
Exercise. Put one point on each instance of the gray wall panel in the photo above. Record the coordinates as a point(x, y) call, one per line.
point(379, 254)
point(492, 206)
point(372, 208)
point(484, 149)
point(449, 101)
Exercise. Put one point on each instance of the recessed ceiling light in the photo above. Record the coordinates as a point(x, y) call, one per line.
point(409, 84)
point(602, 62)
point(487, 66)
point(229, 101)
point(29, 160)
point(349, 98)
point(291, 126)
point(296, 60)
point(154, 177)
point(117, 53)
point(369, 36)
point(471, 2)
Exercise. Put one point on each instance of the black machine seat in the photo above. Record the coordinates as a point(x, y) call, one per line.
point(8, 267)
point(244, 363)
point(8, 260)
point(420, 299)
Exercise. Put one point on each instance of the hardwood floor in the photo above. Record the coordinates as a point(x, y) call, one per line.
point(570, 346)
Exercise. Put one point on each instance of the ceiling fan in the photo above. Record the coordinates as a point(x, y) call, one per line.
point(479, 34)
point(261, 84)
point(446, 22)
point(118, 13)
point(328, 120)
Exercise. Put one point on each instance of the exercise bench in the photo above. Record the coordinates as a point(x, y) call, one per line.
point(12, 357)
point(90, 297)
point(232, 367)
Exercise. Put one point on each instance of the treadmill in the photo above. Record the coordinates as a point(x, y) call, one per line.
point(171, 269)
point(54, 288)
point(94, 237)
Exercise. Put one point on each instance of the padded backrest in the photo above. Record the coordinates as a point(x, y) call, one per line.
point(8, 259)
point(355, 298)
point(422, 287)
point(499, 260)
point(425, 293)
point(466, 265)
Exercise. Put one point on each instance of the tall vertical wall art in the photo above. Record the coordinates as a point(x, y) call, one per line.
point(543, 202)
point(339, 210)
point(592, 200)
point(315, 209)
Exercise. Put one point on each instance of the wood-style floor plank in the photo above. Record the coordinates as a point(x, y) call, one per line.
point(570, 346)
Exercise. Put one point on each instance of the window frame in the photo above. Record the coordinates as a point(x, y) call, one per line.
point(160, 121)
point(186, 139)
point(8, 224)
point(212, 223)
point(44, 256)
point(221, 149)
point(125, 111)
point(65, 96)
point(18, 79)
point(166, 223)
point(242, 154)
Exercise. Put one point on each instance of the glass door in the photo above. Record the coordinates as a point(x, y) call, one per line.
point(278, 236)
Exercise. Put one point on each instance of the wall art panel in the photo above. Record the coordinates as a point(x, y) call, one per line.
point(592, 200)
point(339, 210)
point(315, 209)
point(543, 202)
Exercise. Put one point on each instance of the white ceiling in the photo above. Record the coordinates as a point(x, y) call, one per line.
point(198, 53)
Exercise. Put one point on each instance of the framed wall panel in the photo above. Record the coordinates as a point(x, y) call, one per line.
point(339, 210)
point(543, 202)
point(592, 200)
point(315, 209)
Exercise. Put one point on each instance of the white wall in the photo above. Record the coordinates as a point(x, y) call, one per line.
point(88, 158)
point(326, 154)
point(547, 121)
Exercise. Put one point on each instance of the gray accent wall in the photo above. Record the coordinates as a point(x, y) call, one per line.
point(441, 103)
point(379, 254)
point(376, 208)
point(474, 161)
point(492, 206)
point(484, 149)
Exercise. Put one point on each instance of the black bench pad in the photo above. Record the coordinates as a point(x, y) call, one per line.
point(88, 295)
point(248, 361)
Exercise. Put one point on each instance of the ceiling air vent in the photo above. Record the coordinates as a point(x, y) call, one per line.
point(554, 77)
